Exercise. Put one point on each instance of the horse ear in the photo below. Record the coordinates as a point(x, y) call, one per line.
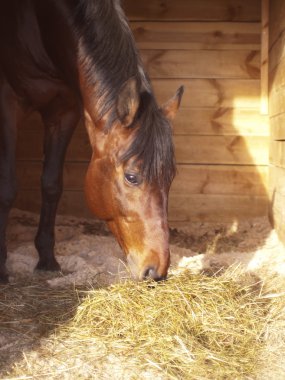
point(128, 102)
point(170, 108)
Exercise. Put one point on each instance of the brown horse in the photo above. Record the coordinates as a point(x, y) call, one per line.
point(72, 58)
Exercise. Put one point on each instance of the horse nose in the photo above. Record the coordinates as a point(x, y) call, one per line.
point(151, 273)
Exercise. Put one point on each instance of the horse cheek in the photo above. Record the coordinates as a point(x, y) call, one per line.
point(96, 193)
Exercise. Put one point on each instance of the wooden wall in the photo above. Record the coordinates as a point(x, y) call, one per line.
point(277, 114)
point(213, 48)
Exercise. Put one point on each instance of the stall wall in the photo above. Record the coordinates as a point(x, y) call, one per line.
point(212, 47)
point(277, 114)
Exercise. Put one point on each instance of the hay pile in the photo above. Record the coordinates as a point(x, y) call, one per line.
point(190, 327)
point(91, 322)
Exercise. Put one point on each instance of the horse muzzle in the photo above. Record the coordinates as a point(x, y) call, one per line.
point(150, 268)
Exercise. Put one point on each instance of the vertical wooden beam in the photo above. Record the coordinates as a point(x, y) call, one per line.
point(264, 57)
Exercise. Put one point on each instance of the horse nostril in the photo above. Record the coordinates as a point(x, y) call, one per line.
point(152, 274)
point(149, 273)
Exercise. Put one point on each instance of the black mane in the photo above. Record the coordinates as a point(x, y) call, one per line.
point(109, 57)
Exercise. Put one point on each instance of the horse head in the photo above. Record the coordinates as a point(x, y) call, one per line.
point(129, 176)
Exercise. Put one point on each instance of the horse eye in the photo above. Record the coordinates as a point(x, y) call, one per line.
point(132, 178)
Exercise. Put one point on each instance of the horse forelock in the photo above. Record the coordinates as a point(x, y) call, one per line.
point(152, 145)
point(109, 57)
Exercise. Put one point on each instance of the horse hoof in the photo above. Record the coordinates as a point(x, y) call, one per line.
point(51, 265)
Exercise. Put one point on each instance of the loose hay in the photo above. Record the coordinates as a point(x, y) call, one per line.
point(189, 327)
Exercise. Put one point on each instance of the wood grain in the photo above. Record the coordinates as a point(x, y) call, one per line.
point(277, 127)
point(239, 64)
point(277, 76)
point(277, 153)
point(277, 200)
point(247, 150)
point(211, 92)
point(196, 35)
point(276, 21)
point(215, 208)
point(264, 57)
point(190, 179)
point(220, 121)
point(182, 208)
point(220, 137)
point(192, 121)
point(202, 10)
point(222, 150)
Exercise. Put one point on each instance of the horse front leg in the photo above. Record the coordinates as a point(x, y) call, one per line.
point(8, 188)
point(59, 127)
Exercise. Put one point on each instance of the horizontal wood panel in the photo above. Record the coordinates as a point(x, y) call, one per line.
point(222, 150)
point(213, 208)
point(196, 35)
point(277, 127)
point(197, 179)
point(220, 180)
point(240, 64)
point(30, 146)
point(277, 153)
point(189, 149)
point(71, 202)
point(202, 10)
point(237, 93)
point(214, 93)
point(182, 208)
point(220, 121)
point(197, 121)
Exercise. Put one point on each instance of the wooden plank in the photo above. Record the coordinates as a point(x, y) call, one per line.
point(264, 57)
point(229, 93)
point(276, 20)
point(276, 51)
point(199, 121)
point(190, 179)
point(211, 208)
point(277, 216)
point(212, 92)
point(277, 127)
point(277, 200)
point(234, 150)
point(277, 153)
point(30, 146)
point(29, 173)
point(249, 150)
point(220, 180)
point(277, 181)
point(71, 203)
point(277, 101)
point(220, 121)
point(196, 35)
point(202, 10)
point(240, 64)
point(277, 76)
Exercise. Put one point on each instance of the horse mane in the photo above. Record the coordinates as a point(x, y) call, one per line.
point(109, 58)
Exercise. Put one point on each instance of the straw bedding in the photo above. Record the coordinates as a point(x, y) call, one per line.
point(220, 315)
